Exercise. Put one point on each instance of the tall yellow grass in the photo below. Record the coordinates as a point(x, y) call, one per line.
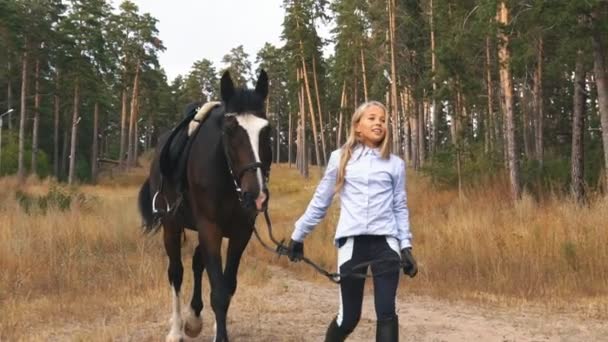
point(480, 245)
point(60, 266)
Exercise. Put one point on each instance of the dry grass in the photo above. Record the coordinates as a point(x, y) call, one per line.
point(481, 246)
point(63, 266)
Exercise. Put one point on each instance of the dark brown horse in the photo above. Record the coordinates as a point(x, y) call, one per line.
point(221, 190)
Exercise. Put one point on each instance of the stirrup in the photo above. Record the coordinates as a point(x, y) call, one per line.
point(156, 210)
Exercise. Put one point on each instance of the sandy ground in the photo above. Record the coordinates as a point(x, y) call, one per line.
point(283, 308)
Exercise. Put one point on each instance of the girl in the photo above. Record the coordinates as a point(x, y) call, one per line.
point(373, 224)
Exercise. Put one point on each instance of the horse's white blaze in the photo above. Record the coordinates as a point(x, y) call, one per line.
point(253, 125)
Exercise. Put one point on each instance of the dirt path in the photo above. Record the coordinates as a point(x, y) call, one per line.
point(275, 306)
point(287, 309)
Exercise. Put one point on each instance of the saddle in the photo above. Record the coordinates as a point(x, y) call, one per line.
point(173, 157)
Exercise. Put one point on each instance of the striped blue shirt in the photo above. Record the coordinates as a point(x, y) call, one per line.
point(372, 202)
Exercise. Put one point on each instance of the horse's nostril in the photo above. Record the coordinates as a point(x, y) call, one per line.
point(248, 199)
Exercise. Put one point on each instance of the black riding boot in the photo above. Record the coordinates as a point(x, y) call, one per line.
point(335, 333)
point(387, 330)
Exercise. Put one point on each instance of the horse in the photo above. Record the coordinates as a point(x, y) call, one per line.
point(225, 186)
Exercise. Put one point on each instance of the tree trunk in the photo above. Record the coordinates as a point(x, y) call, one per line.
point(65, 150)
point(489, 129)
point(123, 129)
point(507, 87)
point(36, 118)
point(21, 167)
point(314, 75)
point(538, 103)
point(278, 131)
point(75, 120)
point(414, 139)
point(132, 137)
point(313, 122)
point(95, 147)
point(601, 83)
point(527, 122)
point(289, 141)
point(394, 107)
point(421, 134)
point(578, 124)
point(302, 148)
point(341, 116)
point(9, 94)
point(56, 127)
point(364, 74)
point(435, 113)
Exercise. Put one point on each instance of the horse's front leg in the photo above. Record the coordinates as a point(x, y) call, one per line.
point(210, 238)
point(172, 239)
point(236, 246)
point(194, 321)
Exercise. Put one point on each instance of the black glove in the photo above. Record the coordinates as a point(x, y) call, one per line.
point(409, 263)
point(295, 250)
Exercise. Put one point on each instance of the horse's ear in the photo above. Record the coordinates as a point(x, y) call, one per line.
point(226, 86)
point(261, 86)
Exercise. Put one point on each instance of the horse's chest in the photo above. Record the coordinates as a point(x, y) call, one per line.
point(233, 219)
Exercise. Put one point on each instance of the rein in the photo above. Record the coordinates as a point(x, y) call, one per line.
point(334, 277)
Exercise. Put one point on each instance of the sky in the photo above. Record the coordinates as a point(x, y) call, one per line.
point(195, 29)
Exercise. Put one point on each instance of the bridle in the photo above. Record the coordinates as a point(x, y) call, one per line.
point(237, 176)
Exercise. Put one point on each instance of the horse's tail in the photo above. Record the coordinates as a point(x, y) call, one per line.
point(149, 224)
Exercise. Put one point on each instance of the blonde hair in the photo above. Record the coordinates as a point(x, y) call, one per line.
point(353, 141)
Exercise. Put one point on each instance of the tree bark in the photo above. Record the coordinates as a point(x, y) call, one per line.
point(9, 94)
point(73, 141)
point(538, 104)
point(527, 122)
point(65, 149)
point(364, 74)
point(578, 124)
point(314, 75)
point(289, 141)
point(21, 166)
point(95, 147)
point(313, 122)
point(394, 107)
point(123, 129)
point(601, 83)
point(35, 124)
point(278, 131)
point(56, 100)
point(341, 116)
point(507, 87)
point(489, 129)
point(133, 120)
point(435, 113)
point(421, 134)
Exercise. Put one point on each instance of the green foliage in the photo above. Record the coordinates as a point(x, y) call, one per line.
point(10, 155)
point(238, 64)
point(475, 166)
point(57, 199)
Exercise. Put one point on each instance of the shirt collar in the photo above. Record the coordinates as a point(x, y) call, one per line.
point(362, 150)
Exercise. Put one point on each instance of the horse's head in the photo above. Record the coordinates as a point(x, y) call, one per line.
point(246, 140)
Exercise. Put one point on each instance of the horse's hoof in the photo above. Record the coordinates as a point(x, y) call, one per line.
point(193, 325)
point(172, 337)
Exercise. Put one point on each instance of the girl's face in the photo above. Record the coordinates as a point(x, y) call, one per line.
point(371, 129)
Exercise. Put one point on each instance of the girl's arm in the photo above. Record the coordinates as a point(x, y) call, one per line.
point(400, 209)
point(317, 208)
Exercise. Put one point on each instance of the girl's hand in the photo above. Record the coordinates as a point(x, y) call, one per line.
point(295, 250)
point(410, 266)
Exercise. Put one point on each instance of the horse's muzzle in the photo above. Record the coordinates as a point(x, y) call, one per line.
point(251, 202)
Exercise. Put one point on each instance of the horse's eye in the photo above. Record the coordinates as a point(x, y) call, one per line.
point(230, 124)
